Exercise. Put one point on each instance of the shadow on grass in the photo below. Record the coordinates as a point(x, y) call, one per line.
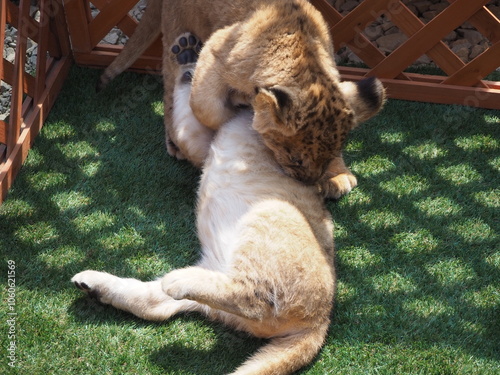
point(417, 242)
point(228, 351)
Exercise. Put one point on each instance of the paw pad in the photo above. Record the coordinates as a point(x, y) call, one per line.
point(186, 48)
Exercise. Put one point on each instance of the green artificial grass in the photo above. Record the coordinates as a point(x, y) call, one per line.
point(418, 254)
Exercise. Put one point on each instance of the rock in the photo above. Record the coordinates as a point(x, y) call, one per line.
point(387, 25)
point(422, 60)
point(422, 6)
point(439, 7)
point(462, 52)
point(389, 43)
point(392, 30)
point(476, 51)
point(373, 32)
point(461, 43)
point(9, 54)
point(4, 87)
point(473, 36)
point(353, 58)
point(112, 37)
point(349, 5)
point(412, 8)
point(450, 37)
point(429, 15)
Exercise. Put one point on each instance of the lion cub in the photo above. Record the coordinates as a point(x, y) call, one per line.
point(279, 56)
point(267, 251)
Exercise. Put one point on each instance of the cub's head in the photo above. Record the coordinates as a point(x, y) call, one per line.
point(306, 129)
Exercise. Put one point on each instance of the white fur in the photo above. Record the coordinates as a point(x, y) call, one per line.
point(192, 137)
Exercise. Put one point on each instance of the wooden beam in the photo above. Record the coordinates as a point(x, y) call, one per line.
point(474, 71)
point(425, 88)
point(427, 37)
point(32, 125)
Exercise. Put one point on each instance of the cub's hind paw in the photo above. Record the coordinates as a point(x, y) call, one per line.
point(173, 150)
point(186, 48)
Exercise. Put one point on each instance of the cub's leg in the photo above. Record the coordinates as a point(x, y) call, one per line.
point(143, 299)
point(192, 139)
point(338, 181)
point(186, 51)
point(218, 291)
point(210, 94)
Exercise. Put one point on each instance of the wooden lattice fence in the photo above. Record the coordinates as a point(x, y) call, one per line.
point(67, 32)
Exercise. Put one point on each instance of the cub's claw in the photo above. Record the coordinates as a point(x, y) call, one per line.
point(95, 284)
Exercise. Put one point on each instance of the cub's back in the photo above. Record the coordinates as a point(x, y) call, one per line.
point(201, 19)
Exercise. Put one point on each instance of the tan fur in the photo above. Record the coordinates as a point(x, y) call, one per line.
point(277, 54)
point(267, 253)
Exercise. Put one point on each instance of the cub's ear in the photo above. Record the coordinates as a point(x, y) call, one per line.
point(365, 97)
point(271, 106)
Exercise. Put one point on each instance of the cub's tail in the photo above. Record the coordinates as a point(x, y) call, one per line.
point(146, 33)
point(284, 355)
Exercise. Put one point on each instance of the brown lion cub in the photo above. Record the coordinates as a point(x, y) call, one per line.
point(267, 251)
point(277, 55)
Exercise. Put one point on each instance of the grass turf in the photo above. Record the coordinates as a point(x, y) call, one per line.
point(418, 253)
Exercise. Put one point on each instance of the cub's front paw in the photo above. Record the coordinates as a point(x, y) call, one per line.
point(338, 186)
point(95, 284)
point(177, 284)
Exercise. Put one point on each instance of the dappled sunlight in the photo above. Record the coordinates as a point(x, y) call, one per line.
point(495, 163)
point(451, 272)
point(59, 131)
point(91, 168)
point(405, 185)
point(438, 207)
point(493, 260)
point(105, 127)
point(460, 174)
point(428, 307)
point(97, 220)
point(427, 150)
point(44, 180)
point(478, 142)
point(492, 119)
point(78, 150)
point(37, 234)
point(381, 219)
point(487, 297)
point(417, 253)
point(488, 198)
point(393, 137)
point(359, 257)
point(473, 230)
point(125, 237)
point(60, 257)
point(70, 200)
point(393, 282)
point(13, 208)
point(415, 242)
point(373, 166)
point(157, 108)
point(358, 197)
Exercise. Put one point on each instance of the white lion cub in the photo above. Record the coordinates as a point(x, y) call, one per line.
point(267, 251)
